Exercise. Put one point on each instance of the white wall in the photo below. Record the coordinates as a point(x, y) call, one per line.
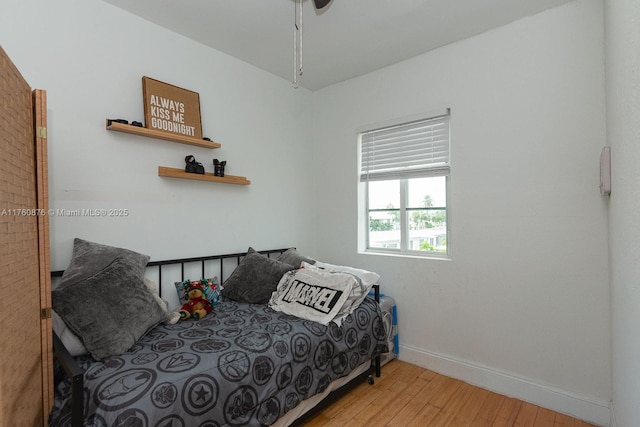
point(90, 57)
point(623, 126)
point(523, 306)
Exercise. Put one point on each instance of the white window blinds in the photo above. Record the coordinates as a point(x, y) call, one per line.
point(411, 150)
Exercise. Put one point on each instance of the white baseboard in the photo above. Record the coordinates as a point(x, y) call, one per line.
point(582, 407)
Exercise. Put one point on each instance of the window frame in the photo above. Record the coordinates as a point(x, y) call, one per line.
point(364, 231)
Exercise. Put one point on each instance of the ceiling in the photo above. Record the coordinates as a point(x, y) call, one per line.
point(347, 38)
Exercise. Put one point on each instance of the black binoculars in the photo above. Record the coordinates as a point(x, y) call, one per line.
point(218, 167)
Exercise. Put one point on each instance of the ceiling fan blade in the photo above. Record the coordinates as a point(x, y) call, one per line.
point(321, 3)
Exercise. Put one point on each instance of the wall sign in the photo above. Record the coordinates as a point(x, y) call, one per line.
point(169, 108)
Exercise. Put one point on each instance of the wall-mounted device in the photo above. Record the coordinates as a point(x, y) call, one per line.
point(605, 171)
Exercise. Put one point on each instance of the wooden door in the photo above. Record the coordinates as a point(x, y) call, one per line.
point(24, 255)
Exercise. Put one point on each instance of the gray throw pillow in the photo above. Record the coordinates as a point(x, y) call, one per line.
point(89, 258)
point(255, 279)
point(291, 256)
point(109, 311)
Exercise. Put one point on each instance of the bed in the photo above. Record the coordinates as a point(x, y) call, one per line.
point(245, 363)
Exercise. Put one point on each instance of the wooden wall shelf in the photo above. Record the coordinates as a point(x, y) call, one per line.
point(208, 176)
point(172, 137)
point(153, 133)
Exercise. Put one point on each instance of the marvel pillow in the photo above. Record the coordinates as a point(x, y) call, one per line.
point(365, 280)
point(313, 294)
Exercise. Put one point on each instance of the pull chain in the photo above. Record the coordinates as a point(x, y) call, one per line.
point(297, 42)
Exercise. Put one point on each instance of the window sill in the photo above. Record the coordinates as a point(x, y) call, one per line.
point(407, 254)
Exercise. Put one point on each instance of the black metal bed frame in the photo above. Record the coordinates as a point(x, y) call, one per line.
point(76, 374)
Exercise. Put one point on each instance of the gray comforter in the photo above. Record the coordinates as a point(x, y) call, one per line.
point(243, 364)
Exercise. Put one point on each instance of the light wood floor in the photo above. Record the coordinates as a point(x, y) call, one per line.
point(407, 395)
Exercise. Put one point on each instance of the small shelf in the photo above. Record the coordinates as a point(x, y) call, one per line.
point(153, 133)
point(208, 176)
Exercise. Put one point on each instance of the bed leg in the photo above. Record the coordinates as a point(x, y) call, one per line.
point(77, 402)
point(375, 370)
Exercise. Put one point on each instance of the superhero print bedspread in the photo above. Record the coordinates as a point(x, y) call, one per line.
point(241, 365)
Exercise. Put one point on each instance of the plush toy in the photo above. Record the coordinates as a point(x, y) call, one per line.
point(197, 304)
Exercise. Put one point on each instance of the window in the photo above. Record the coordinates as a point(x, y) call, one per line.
point(404, 175)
